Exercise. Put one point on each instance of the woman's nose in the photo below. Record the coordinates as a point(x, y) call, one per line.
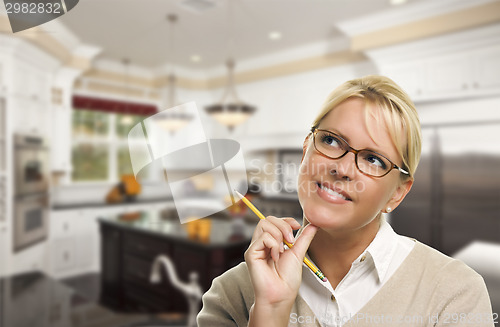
point(345, 167)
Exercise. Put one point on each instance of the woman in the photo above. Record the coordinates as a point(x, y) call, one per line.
point(358, 162)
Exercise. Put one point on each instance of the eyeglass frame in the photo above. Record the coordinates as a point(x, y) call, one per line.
point(314, 131)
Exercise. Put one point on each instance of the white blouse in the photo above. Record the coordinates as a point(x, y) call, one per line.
point(368, 273)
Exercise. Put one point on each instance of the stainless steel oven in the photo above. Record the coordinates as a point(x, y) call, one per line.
point(31, 190)
point(31, 164)
point(30, 220)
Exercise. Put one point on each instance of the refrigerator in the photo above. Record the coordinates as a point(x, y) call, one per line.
point(454, 204)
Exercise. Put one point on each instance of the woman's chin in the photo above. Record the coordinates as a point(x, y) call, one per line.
point(323, 218)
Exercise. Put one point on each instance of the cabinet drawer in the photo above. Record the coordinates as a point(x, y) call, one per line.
point(137, 269)
point(138, 299)
point(147, 247)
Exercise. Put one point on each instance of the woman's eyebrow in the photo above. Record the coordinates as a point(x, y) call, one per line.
point(336, 131)
point(333, 130)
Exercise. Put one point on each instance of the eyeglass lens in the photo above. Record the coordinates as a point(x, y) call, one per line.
point(367, 161)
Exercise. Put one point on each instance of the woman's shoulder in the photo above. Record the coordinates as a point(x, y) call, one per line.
point(449, 270)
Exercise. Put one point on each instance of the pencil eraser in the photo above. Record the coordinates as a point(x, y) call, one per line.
point(324, 279)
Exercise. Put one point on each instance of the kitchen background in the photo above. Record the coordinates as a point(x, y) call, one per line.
point(78, 235)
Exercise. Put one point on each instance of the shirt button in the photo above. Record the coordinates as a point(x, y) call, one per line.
point(362, 258)
point(332, 298)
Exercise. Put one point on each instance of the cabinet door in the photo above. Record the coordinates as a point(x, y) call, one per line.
point(486, 70)
point(449, 76)
point(111, 264)
point(190, 260)
point(60, 139)
point(409, 76)
point(64, 254)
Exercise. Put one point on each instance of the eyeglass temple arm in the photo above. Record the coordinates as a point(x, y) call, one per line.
point(401, 170)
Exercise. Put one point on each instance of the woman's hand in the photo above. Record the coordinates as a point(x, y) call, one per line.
point(276, 273)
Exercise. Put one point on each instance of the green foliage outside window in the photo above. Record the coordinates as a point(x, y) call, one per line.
point(98, 137)
point(88, 123)
point(90, 162)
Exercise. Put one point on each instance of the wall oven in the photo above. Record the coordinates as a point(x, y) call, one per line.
point(31, 189)
point(31, 165)
point(31, 220)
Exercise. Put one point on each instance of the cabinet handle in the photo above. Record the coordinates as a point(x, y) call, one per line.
point(65, 227)
point(66, 256)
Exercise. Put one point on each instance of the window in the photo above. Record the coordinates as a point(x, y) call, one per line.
point(100, 149)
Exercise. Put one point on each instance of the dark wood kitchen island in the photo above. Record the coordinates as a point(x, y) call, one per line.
point(129, 249)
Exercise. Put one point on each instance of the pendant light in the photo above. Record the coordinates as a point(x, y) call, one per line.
point(126, 118)
point(174, 120)
point(230, 110)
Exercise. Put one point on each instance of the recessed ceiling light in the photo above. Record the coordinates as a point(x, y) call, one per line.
point(195, 58)
point(398, 2)
point(275, 35)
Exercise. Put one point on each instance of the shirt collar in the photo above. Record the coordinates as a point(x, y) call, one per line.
point(381, 249)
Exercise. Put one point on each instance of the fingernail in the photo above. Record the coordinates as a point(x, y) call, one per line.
point(290, 238)
point(282, 248)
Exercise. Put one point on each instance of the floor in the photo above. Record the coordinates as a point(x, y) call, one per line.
point(88, 285)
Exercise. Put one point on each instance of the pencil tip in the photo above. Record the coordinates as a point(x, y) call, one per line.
point(238, 193)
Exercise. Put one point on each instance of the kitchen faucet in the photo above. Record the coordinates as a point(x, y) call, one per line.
point(192, 290)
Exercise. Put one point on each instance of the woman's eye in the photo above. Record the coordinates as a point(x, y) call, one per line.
point(331, 140)
point(374, 160)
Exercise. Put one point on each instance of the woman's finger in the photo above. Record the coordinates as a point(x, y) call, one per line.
point(270, 242)
point(284, 226)
point(302, 244)
point(292, 222)
point(268, 226)
point(260, 248)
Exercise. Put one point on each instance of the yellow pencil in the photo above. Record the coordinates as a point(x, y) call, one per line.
point(308, 263)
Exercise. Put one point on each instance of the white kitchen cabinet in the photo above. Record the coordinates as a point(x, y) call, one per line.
point(61, 139)
point(486, 69)
point(449, 76)
point(73, 238)
point(29, 116)
point(63, 254)
point(409, 76)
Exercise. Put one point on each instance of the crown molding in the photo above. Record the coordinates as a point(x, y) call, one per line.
point(469, 40)
point(404, 14)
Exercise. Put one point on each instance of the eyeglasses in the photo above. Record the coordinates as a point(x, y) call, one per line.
point(368, 162)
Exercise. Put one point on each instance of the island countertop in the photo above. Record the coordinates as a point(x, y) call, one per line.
point(131, 243)
point(222, 231)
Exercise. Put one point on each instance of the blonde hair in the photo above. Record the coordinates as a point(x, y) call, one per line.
point(397, 111)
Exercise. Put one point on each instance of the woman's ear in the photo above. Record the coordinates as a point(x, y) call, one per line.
point(399, 194)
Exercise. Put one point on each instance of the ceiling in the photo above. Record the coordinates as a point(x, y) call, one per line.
point(138, 29)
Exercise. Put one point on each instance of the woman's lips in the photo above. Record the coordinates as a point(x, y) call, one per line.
point(332, 194)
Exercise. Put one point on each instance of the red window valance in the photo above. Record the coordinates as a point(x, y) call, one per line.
point(113, 106)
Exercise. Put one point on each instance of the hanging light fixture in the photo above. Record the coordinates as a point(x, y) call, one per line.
point(230, 110)
point(172, 121)
point(126, 118)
